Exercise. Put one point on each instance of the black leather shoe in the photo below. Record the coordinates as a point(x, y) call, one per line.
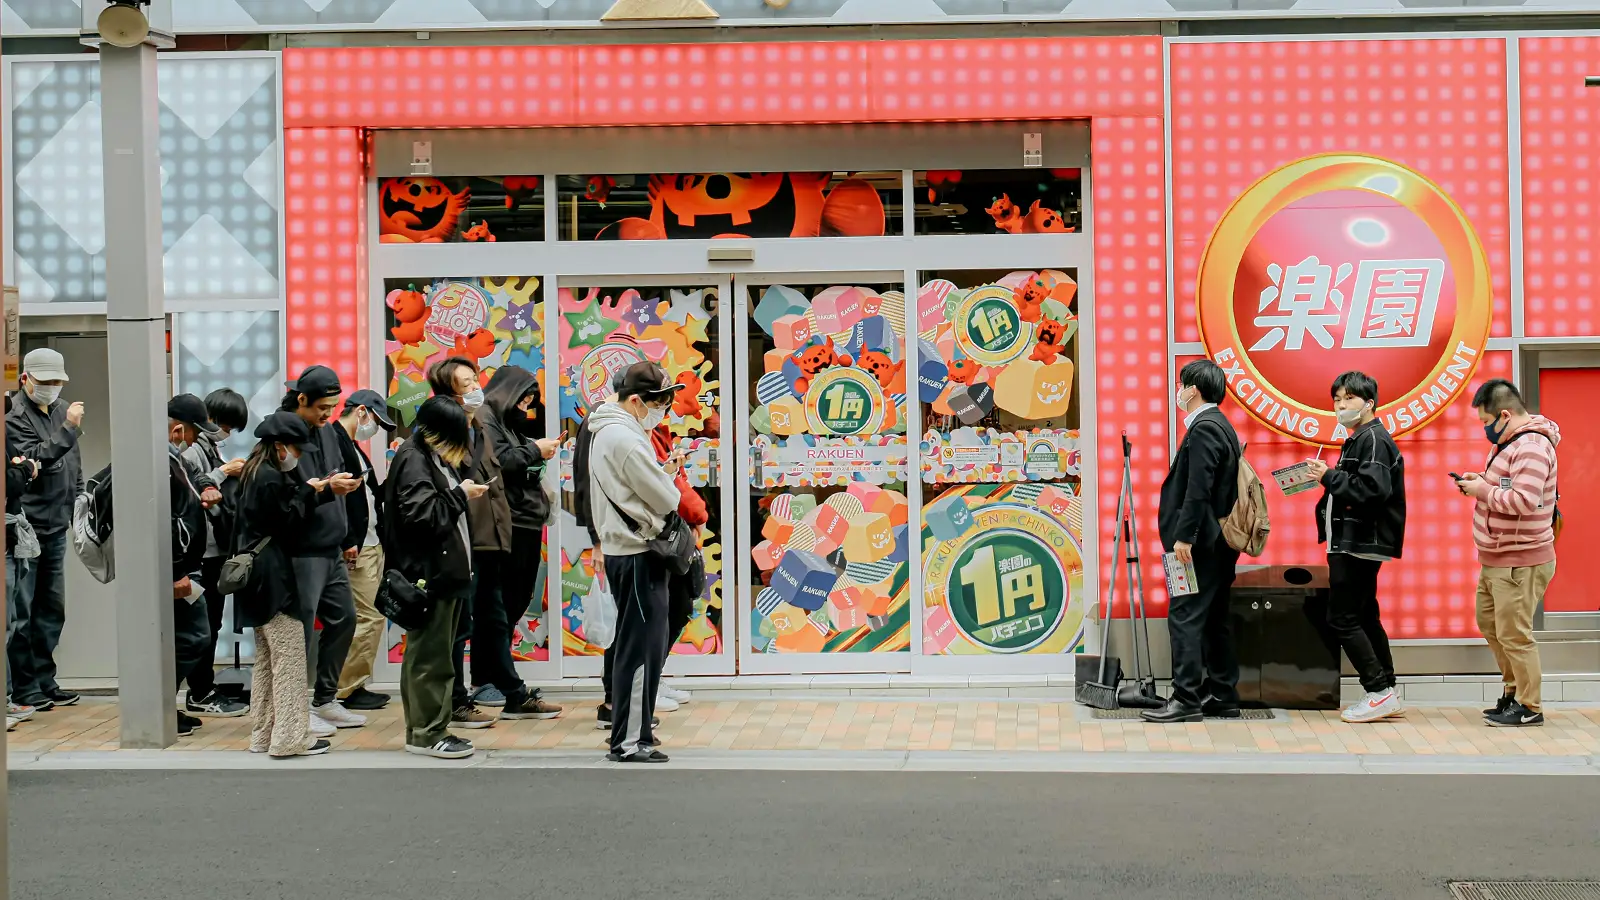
point(1219, 711)
point(1172, 713)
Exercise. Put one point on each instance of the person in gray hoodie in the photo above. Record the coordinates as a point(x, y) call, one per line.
point(630, 497)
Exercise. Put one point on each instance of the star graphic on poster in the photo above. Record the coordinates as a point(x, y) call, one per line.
point(527, 340)
point(695, 330)
point(569, 404)
point(574, 537)
point(699, 632)
point(415, 355)
point(531, 360)
point(574, 614)
point(642, 314)
point(408, 395)
point(589, 327)
point(687, 307)
point(519, 316)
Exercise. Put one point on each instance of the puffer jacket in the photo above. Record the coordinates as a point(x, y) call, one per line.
point(1512, 523)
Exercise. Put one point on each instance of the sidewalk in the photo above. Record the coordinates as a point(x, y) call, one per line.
point(1012, 728)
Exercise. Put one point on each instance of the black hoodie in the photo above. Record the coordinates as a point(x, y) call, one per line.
point(510, 429)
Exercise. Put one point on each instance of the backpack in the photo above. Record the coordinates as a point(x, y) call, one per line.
point(91, 527)
point(580, 477)
point(1557, 522)
point(1246, 527)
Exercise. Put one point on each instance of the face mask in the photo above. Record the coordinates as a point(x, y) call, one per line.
point(46, 394)
point(1349, 417)
point(366, 430)
point(178, 446)
point(653, 417)
point(288, 463)
point(1178, 397)
point(472, 399)
point(1495, 430)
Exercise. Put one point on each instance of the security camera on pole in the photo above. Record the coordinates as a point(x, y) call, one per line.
point(128, 33)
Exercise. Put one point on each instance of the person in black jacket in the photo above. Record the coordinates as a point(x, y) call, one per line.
point(19, 471)
point(426, 540)
point(1362, 518)
point(318, 551)
point(366, 413)
point(496, 612)
point(229, 413)
point(192, 494)
point(1199, 491)
point(276, 504)
point(41, 426)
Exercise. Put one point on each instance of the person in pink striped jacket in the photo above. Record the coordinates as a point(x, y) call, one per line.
point(1513, 524)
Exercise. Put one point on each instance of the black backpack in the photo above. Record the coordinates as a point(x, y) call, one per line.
point(580, 477)
point(91, 527)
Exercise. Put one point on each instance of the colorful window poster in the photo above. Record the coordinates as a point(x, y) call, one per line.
point(1002, 515)
point(493, 321)
point(998, 201)
point(729, 205)
point(828, 470)
point(603, 331)
point(446, 210)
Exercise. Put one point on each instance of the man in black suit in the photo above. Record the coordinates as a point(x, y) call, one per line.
point(1198, 492)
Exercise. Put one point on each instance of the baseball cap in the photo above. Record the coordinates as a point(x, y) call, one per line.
point(44, 364)
point(374, 403)
point(646, 379)
point(284, 428)
point(316, 382)
point(191, 410)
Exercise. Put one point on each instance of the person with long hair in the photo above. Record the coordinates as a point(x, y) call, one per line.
point(427, 540)
point(276, 504)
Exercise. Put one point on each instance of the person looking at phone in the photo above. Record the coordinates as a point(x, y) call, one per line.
point(322, 579)
point(457, 378)
point(1362, 518)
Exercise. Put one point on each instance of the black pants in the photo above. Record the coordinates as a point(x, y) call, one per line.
point(639, 584)
point(191, 635)
point(1205, 666)
point(203, 677)
point(492, 624)
point(680, 609)
point(1353, 619)
point(324, 586)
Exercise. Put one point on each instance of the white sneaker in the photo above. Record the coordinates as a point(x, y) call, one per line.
point(320, 728)
point(334, 713)
point(1374, 706)
point(672, 693)
point(665, 703)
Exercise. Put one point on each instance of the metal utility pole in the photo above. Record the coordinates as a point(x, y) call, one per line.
point(137, 350)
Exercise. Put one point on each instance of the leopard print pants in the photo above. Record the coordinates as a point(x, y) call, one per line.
point(278, 694)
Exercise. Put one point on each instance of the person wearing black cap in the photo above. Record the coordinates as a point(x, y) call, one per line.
point(230, 413)
point(631, 496)
point(277, 503)
point(317, 552)
point(192, 494)
point(428, 542)
point(366, 413)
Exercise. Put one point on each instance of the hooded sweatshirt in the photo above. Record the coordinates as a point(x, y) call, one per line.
point(623, 470)
point(1511, 523)
point(521, 463)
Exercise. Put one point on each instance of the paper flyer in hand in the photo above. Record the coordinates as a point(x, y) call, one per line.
point(1181, 578)
point(1296, 478)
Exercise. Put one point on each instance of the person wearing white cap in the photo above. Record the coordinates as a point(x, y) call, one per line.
point(43, 427)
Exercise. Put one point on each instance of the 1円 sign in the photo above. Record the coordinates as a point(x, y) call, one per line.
point(1340, 262)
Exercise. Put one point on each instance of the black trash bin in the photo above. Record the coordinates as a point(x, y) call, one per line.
point(1287, 657)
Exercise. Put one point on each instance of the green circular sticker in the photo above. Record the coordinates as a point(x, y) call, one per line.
point(1006, 591)
point(843, 402)
point(989, 328)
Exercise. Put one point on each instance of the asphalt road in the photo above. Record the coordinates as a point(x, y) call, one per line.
point(699, 835)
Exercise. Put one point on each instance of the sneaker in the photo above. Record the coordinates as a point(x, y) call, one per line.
point(365, 700)
point(187, 724)
point(488, 695)
point(215, 706)
point(334, 713)
point(451, 747)
point(642, 755)
point(680, 697)
point(315, 748)
point(603, 719)
point(665, 703)
point(470, 716)
point(62, 697)
point(12, 722)
point(1515, 716)
point(1374, 706)
point(19, 712)
point(40, 703)
point(1501, 705)
point(531, 708)
point(320, 728)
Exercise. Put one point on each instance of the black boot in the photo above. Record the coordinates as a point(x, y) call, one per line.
point(1173, 712)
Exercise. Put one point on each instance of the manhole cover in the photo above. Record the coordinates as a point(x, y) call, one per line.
point(1253, 715)
point(1525, 890)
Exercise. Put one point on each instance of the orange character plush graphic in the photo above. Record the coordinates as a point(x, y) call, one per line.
point(1029, 297)
point(813, 359)
point(1052, 340)
point(419, 210)
point(964, 371)
point(478, 232)
point(411, 312)
point(1006, 216)
point(891, 375)
point(475, 346)
point(1042, 220)
point(520, 189)
point(686, 403)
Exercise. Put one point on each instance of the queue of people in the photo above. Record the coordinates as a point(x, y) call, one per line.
point(1361, 517)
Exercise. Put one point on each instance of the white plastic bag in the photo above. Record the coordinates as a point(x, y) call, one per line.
point(599, 614)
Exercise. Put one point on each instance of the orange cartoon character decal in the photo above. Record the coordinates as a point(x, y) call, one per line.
point(964, 371)
point(479, 232)
point(891, 375)
point(804, 364)
point(419, 210)
point(1052, 341)
point(686, 403)
point(1042, 220)
point(520, 189)
point(411, 312)
point(1006, 216)
point(475, 346)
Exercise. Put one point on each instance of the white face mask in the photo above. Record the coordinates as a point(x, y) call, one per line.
point(653, 417)
point(366, 430)
point(1178, 398)
point(288, 463)
point(472, 399)
point(45, 394)
point(1349, 417)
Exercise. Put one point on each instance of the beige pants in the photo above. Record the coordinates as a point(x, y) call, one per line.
point(278, 694)
point(364, 645)
point(1506, 601)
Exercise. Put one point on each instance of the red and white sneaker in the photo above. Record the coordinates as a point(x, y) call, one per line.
point(1383, 704)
